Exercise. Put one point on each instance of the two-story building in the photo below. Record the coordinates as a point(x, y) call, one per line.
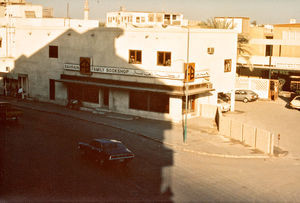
point(136, 71)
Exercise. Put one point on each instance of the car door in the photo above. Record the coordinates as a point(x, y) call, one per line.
point(243, 95)
point(93, 149)
point(238, 95)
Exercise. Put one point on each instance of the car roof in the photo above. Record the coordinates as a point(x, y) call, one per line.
point(104, 140)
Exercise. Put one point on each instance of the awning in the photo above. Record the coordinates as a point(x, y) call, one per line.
point(14, 76)
point(272, 67)
point(169, 92)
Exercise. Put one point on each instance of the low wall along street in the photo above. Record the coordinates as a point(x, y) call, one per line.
point(259, 139)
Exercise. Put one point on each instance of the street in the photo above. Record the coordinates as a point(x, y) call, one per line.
point(39, 162)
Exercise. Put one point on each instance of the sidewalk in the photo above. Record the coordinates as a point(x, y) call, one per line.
point(202, 135)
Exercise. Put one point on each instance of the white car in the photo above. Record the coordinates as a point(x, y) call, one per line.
point(295, 103)
point(224, 106)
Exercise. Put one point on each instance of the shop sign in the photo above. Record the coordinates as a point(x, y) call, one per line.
point(134, 72)
point(288, 66)
point(72, 67)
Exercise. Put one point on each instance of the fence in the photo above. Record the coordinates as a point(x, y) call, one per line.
point(257, 138)
point(207, 110)
point(260, 86)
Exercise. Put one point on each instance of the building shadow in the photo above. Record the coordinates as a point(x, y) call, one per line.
point(52, 73)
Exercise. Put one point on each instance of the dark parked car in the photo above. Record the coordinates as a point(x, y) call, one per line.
point(245, 95)
point(224, 96)
point(106, 151)
point(8, 112)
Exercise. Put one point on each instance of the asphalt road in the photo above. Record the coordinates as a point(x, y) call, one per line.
point(39, 162)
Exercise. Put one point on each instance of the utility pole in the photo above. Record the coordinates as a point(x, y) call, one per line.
point(186, 84)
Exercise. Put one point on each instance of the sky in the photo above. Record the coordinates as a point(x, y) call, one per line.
point(262, 11)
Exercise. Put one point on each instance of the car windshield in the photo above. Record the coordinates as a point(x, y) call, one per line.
point(221, 101)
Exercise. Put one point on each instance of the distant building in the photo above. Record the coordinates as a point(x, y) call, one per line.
point(137, 18)
point(275, 54)
point(47, 12)
point(19, 9)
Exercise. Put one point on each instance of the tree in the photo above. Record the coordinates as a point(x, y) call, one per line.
point(243, 49)
point(212, 23)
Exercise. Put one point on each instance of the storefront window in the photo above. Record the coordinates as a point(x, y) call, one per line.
point(147, 101)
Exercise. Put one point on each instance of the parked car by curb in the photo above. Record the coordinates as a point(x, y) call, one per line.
point(245, 95)
point(224, 106)
point(295, 103)
point(7, 112)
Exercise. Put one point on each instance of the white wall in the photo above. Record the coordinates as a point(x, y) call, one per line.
point(19, 10)
point(110, 47)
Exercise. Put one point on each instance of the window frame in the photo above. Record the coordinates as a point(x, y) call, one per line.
point(134, 59)
point(53, 53)
point(269, 50)
point(138, 19)
point(165, 62)
point(227, 68)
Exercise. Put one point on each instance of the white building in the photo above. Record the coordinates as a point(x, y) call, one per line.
point(137, 71)
point(20, 9)
point(142, 19)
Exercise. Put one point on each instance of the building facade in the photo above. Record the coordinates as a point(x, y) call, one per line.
point(136, 71)
point(275, 53)
point(143, 19)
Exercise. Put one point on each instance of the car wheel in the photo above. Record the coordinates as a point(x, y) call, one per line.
point(245, 100)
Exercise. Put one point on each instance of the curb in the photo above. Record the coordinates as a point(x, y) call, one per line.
point(153, 139)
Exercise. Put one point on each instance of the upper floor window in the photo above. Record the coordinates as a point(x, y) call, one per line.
point(30, 14)
point(138, 19)
point(53, 51)
point(151, 17)
point(135, 56)
point(269, 50)
point(227, 65)
point(163, 58)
